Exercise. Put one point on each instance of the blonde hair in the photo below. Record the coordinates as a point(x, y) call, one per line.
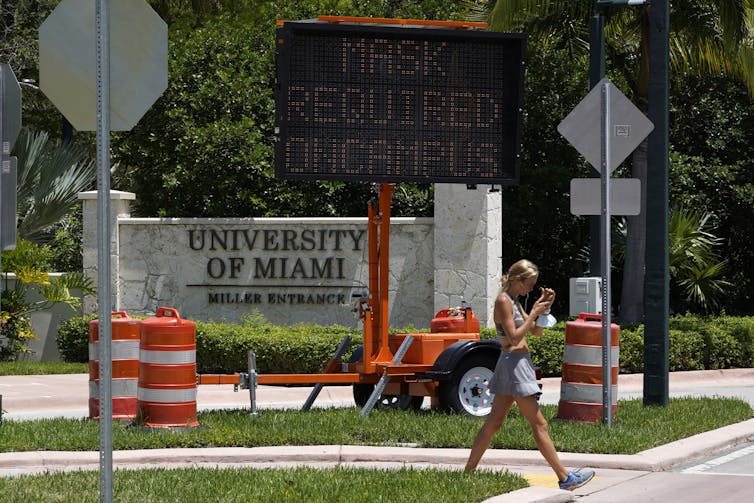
point(523, 269)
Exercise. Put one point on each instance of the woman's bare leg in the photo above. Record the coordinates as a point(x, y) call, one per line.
point(531, 411)
point(501, 405)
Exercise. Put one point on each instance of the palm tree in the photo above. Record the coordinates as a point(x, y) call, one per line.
point(50, 175)
point(705, 37)
point(695, 267)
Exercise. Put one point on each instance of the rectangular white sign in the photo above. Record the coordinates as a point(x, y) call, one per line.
point(625, 196)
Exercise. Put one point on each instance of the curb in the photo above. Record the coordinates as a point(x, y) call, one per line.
point(534, 495)
point(652, 460)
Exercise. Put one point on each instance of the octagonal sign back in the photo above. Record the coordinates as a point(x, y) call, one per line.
point(138, 61)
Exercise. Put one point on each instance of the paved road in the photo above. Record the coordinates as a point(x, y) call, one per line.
point(736, 461)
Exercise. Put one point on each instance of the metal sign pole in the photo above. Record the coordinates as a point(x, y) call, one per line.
point(596, 74)
point(2, 143)
point(607, 410)
point(104, 300)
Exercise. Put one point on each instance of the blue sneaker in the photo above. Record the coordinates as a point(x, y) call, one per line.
point(576, 478)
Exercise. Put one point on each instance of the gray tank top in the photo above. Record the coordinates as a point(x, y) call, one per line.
point(518, 316)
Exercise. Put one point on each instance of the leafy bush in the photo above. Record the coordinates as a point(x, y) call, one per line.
point(695, 343)
point(301, 348)
point(547, 350)
point(631, 359)
point(29, 263)
point(685, 350)
point(73, 339)
point(721, 349)
point(742, 330)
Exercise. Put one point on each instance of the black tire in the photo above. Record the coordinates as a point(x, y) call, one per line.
point(467, 391)
point(362, 392)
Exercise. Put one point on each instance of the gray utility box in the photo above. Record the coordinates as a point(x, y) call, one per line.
point(585, 296)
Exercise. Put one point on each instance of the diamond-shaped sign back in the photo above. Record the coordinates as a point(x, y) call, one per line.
point(138, 61)
point(628, 126)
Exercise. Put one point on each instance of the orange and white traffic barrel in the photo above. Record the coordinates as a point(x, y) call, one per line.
point(581, 385)
point(124, 348)
point(166, 396)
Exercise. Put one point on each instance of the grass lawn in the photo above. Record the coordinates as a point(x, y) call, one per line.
point(294, 485)
point(637, 428)
point(23, 368)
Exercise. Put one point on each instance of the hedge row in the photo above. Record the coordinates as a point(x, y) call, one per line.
point(695, 343)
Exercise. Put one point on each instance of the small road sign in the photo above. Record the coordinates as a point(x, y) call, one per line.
point(10, 108)
point(138, 61)
point(625, 196)
point(628, 126)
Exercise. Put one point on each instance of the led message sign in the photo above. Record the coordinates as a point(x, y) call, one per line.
point(389, 104)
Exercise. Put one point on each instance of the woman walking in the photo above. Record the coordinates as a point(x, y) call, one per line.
point(514, 380)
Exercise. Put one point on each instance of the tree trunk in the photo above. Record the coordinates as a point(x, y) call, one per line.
point(632, 294)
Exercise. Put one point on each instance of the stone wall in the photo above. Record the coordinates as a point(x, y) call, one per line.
point(291, 270)
point(300, 269)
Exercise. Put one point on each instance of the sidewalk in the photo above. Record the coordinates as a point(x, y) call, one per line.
point(26, 397)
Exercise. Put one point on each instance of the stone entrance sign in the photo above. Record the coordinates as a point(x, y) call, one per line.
point(301, 269)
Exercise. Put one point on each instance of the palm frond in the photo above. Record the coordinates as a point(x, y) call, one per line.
point(693, 262)
point(50, 175)
point(477, 11)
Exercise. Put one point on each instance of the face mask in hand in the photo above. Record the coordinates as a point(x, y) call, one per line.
point(546, 320)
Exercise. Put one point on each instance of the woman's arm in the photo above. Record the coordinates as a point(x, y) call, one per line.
point(545, 300)
point(504, 315)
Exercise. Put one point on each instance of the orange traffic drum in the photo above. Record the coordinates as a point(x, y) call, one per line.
point(166, 396)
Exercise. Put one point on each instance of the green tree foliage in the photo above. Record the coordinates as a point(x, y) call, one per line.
point(707, 38)
point(206, 147)
point(19, 47)
point(712, 124)
point(694, 262)
point(537, 222)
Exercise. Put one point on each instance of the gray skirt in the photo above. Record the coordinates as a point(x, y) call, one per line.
point(514, 375)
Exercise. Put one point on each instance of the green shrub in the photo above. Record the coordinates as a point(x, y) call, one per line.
point(487, 333)
point(742, 330)
point(688, 322)
point(29, 262)
point(685, 351)
point(720, 349)
point(301, 348)
point(73, 339)
point(695, 343)
point(631, 342)
point(547, 350)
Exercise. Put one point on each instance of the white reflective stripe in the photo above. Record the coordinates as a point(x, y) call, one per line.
point(587, 355)
point(166, 395)
point(167, 357)
point(120, 350)
point(119, 387)
point(585, 393)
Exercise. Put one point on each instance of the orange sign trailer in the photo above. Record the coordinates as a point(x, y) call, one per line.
point(451, 365)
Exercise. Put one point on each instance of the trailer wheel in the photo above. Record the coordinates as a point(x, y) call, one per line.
point(362, 392)
point(467, 392)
